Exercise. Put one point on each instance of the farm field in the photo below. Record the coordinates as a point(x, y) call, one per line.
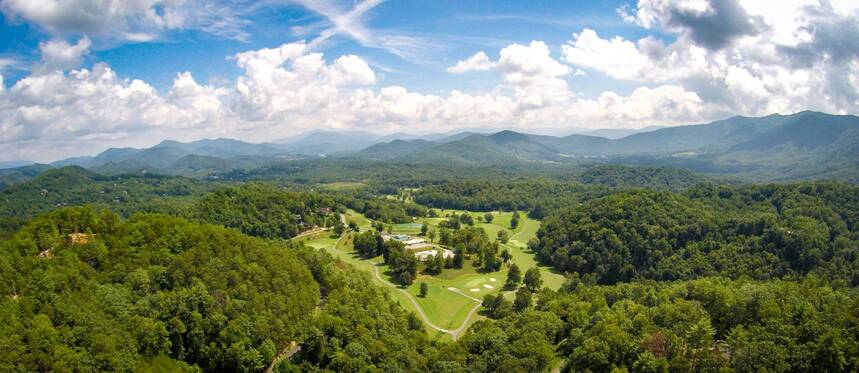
point(453, 296)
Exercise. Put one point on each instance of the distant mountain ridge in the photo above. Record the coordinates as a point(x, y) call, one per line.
point(774, 147)
point(164, 154)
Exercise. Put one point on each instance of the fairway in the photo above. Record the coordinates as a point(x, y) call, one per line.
point(454, 295)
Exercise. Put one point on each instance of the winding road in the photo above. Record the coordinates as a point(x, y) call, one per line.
point(454, 334)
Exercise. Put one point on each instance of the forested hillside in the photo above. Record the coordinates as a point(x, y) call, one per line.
point(709, 324)
point(265, 211)
point(84, 290)
point(665, 271)
point(70, 186)
point(763, 232)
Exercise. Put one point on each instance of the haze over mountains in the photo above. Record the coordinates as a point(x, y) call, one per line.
point(775, 147)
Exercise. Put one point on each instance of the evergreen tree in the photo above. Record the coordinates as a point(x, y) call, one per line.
point(514, 276)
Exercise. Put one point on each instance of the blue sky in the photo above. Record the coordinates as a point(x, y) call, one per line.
point(456, 29)
point(82, 75)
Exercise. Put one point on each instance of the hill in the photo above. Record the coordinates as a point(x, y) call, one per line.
point(173, 157)
point(329, 142)
point(17, 175)
point(804, 145)
point(74, 185)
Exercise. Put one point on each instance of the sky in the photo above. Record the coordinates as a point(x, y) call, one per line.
point(80, 76)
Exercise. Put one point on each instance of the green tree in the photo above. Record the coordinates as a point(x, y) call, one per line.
point(506, 256)
point(458, 257)
point(339, 228)
point(424, 290)
point(503, 236)
point(522, 300)
point(514, 276)
point(488, 217)
point(514, 221)
point(533, 279)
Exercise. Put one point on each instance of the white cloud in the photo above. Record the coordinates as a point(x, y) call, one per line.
point(785, 64)
point(644, 106)
point(140, 20)
point(351, 23)
point(49, 115)
point(477, 62)
point(533, 74)
point(617, 57)
point(60, 55)
point(6, 62)
point(792, 57)
point(711, 24)
point(201, 101)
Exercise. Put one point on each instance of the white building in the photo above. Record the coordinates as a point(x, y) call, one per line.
point(425, 255)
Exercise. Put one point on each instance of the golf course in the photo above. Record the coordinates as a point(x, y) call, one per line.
point(452, 300)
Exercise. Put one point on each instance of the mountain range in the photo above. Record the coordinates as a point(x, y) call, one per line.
point(805, 145)
point(775, 147)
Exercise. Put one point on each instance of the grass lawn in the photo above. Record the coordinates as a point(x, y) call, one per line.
point(406, 228)
point(358, 218)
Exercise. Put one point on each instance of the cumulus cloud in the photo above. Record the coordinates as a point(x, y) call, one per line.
point(60, 55)
point(784, 61)
point(46, 115)
point(617, 57)
point(796, 57)
point(289, 89)
point(662, 104)
point(477, 62)
point(713, 24)
point(534, 75)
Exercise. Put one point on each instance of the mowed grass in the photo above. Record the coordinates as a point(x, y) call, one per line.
point(443, 307)
point(359, 219)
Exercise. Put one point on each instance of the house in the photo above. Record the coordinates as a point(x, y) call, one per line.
point(425, 255)
point(414, 241)
point(324, 210)
point(419, 246)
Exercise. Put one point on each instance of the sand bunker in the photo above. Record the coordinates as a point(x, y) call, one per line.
point(488, 286)
point(475, 290)
point(492, 279)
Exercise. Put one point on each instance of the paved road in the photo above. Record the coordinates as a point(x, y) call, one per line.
point(454, 334)
point(286, 353)
point(414, 302)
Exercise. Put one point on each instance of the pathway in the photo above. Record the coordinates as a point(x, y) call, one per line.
point(454, 334)
point(522, 229)
point(414, 302)
point(286, 353)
